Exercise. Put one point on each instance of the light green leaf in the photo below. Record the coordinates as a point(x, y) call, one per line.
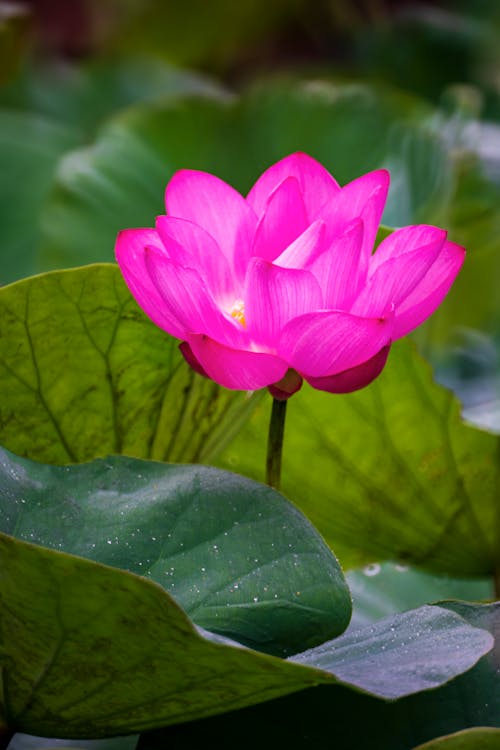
point(480, 738)
point(239, 559)
point(83, 373)
point(389, 472)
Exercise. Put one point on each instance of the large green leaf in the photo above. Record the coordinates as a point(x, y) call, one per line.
point(382, 589)
point(120, 180)
point(389, 472)
point(333, 716)
point(480, 738)
point(403, 648)
point(84, 95)
point(50, 110)
point(87, 650)
point(83, 373)
point(22, 741)
point(474, 222)
point(30, 145)
point(472, 371)
point(237, 557)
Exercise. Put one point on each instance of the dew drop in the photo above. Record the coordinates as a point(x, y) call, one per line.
point(372, 570)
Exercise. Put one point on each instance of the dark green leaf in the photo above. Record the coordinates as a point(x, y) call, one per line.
point(310, 719)
point(83, 373)
point(237, 557)
point(389, 472)
point(400, 650)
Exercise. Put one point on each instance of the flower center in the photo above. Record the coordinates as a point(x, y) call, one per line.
point(238, 312)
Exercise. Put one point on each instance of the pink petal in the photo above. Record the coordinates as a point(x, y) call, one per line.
point(283, 220)
point(187, 298)
point(395, 279)
point(130, 250)
point(404, 241)
point(338, 268)
point(236, 369)
point(315, 182)
point(325, 343)
point(275, 295)
point(354, 378)
point(431, 291)
point(363, 198)
point(198, 250)
point(217, 208)
point(188, 355)
point(301, 252)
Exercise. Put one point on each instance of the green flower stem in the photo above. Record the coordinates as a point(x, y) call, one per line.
point(275, 443)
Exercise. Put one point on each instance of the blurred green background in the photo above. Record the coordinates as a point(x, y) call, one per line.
point(102, 100)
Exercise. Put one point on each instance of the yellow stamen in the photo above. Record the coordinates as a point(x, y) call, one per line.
point(238, 312)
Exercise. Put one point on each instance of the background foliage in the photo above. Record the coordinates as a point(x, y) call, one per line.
point(100, 102)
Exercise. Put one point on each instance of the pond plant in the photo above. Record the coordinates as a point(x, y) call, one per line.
point(178, 566)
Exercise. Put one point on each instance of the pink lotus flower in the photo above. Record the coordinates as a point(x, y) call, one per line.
point(282, 285)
